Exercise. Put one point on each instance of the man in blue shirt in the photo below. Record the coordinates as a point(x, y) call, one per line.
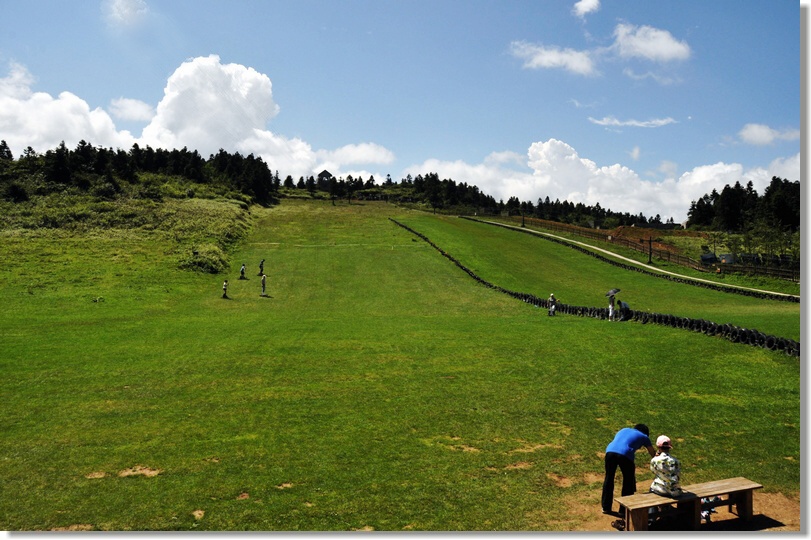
point(620, 453)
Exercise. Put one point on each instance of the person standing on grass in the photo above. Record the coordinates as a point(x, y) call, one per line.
point(264, 278)
point(225, 289)
point(553, 304)
point(242, 272)
point(620, 453)
point(262, 267)
point(611, 308)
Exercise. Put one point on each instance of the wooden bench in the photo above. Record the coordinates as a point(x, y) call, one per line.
point(737, 492)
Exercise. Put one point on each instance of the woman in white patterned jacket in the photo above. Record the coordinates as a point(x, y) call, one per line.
point(666, 468)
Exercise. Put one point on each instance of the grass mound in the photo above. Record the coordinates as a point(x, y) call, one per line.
point(210, 227)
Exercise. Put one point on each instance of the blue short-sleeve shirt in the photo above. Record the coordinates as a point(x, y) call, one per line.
point(627, 441)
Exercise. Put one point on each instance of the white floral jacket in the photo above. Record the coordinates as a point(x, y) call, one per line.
point(667, 470)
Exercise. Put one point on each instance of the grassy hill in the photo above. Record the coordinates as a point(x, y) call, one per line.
point(377, 387)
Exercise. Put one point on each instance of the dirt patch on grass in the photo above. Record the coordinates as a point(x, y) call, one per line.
point(198, 514)
point(593, 478)
point(96, 474)
point(286, 485)
point(519, 465)
point(465, 448)
point(242, 496)
point(772, 512)
point(529, 448)
point(77, 527)
point(139, 470)
point(560, 481)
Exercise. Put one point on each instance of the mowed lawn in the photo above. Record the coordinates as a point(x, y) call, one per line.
point(377, 387)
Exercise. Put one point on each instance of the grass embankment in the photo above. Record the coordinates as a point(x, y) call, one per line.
point(378, 387)
point(733, 279)
point(537, 266)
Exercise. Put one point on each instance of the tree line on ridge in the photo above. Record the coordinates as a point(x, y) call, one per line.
point(100, 171)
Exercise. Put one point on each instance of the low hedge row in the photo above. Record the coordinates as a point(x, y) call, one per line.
point(731, 332)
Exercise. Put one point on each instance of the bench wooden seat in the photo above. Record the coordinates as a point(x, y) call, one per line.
point(738, 492)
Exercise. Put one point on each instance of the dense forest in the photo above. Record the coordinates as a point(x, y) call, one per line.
point(739, 209)
point(102, 172)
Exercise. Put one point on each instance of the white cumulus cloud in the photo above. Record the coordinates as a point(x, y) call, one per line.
point(539, 56)
point(208, 105)
point(763, 135)
point(554, 169)
point(131, 109)
point(649, 43)
point(584, 7)
point(38, 120)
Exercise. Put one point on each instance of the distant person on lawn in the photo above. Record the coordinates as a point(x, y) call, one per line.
point(553, 304)
point(242, 272)
point(264, 278)
point(225, 289)
point(262, 267)
point(620, 453)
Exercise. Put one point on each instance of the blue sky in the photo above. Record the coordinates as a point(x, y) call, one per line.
point(639, 105)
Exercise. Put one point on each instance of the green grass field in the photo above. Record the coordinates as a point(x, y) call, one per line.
point(377, 387)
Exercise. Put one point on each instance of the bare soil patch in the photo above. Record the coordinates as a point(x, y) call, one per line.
point(519, 465)
point(139, 470)
point(560, 481)
point(96, 474)
point(77, 527)
point(529, 448)
point(772, 512)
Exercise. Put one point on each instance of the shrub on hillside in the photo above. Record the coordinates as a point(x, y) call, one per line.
point(16, 193)
point(207, 258)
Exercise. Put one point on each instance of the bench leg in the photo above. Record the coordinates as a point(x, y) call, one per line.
point(744, 504)
point(692, 510)
point(636, 520)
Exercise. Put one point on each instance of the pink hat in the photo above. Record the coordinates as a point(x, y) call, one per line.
point(663, 442)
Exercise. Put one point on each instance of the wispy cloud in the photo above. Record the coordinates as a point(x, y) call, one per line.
point(661, 79)
point(540, 56)
point(124, 13)
point(763, 135)
point(353, 154)
point(580, 105)
point(630, 42)
point(610, 121)
point(584, 7)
